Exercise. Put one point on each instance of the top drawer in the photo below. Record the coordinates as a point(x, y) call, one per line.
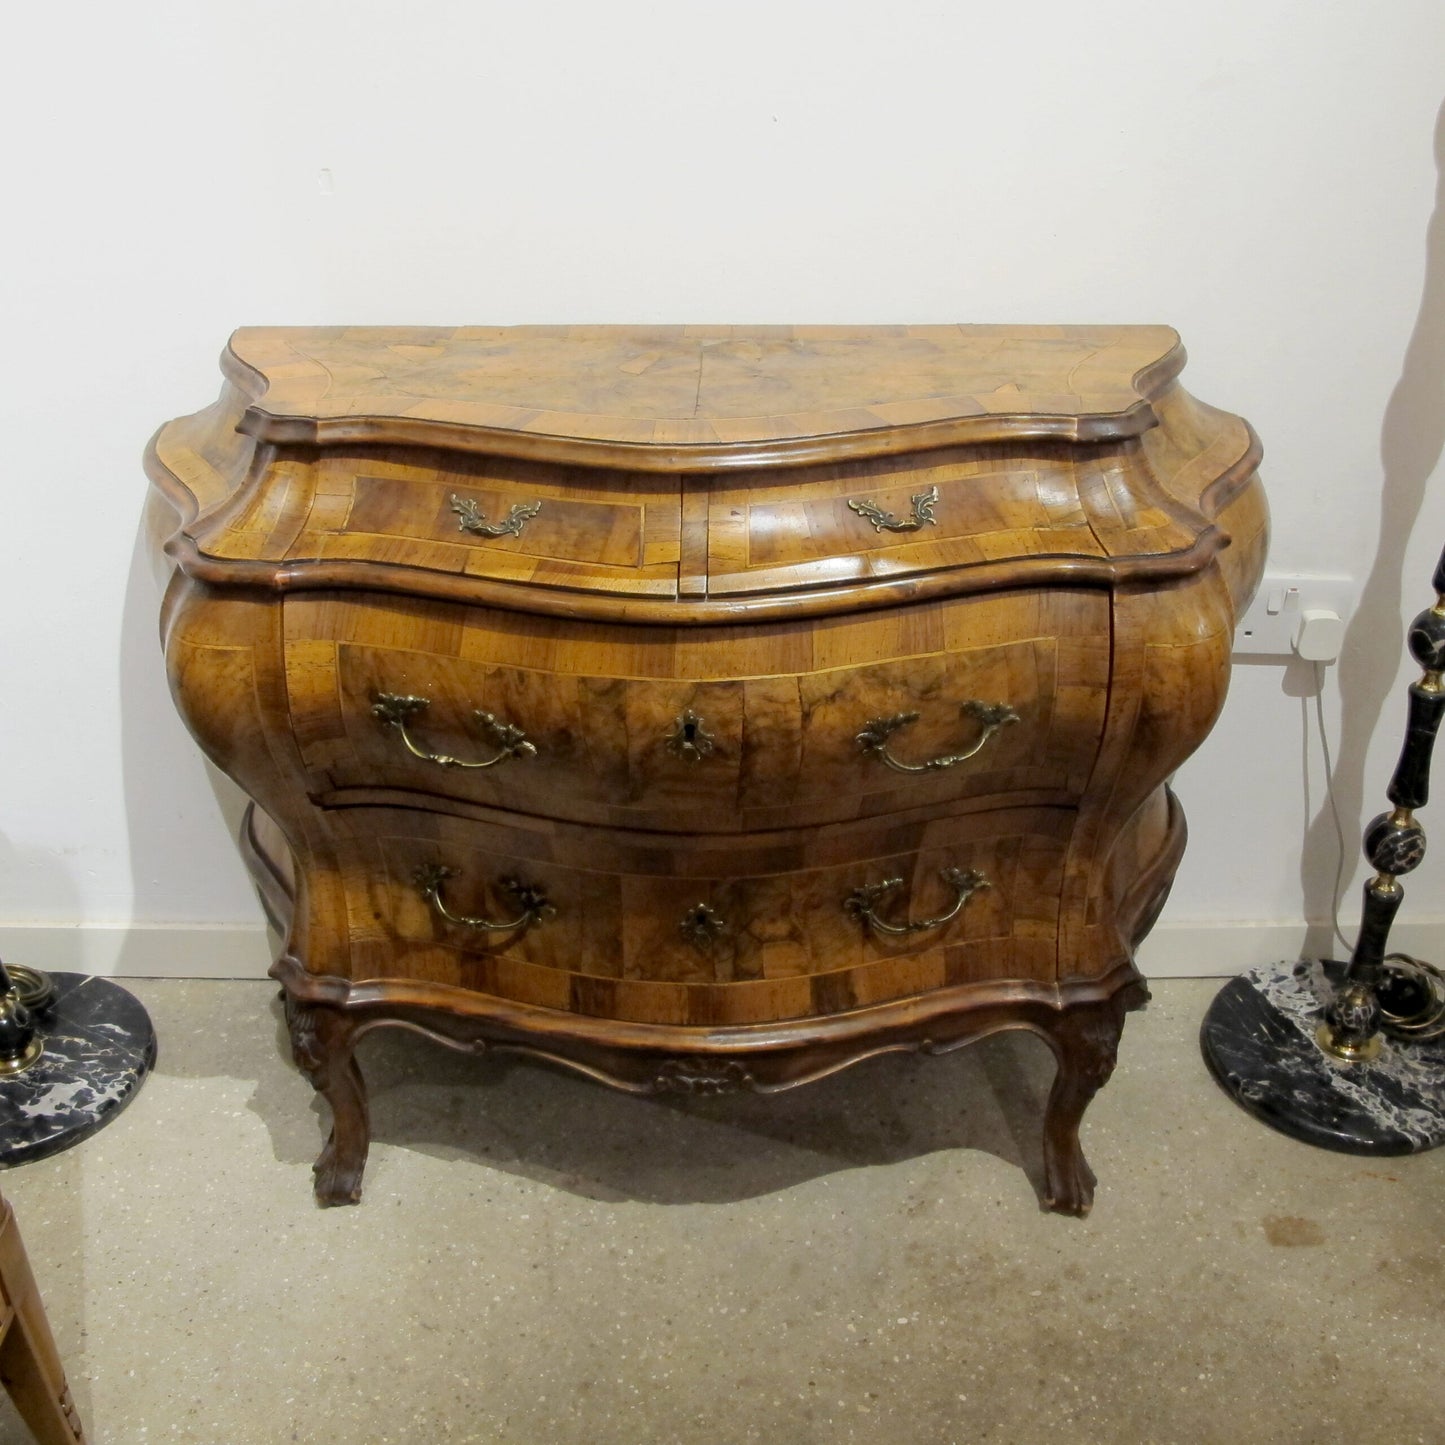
point(551, 526)
point(949, 510)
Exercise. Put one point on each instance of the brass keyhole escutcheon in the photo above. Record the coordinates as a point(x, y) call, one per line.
point(690, 739)
point(702, 927)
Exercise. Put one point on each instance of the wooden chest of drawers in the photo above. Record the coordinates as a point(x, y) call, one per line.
point(706, 708)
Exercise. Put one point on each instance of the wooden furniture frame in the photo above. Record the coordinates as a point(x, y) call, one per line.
point(30, 1367)
point(681, 640)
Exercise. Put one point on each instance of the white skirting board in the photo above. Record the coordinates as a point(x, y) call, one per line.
point(1174, 950)
point(235, 950)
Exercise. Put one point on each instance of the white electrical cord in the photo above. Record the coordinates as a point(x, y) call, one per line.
point(1340, 856)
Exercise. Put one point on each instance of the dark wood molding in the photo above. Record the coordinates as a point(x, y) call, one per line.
point(880, 441)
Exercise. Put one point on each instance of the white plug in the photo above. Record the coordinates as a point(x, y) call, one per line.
point(1321, 635)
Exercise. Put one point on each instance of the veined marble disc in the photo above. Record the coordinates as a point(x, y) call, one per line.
point(99, 1046)
point(1258, 1039)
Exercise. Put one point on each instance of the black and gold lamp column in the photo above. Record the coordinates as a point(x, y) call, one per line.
point(1352, 1057)
point(22, 992)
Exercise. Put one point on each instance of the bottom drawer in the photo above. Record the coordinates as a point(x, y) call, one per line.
point(708, 930)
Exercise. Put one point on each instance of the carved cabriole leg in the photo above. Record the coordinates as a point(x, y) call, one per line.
point(323, 1044)
point(1085, 1041)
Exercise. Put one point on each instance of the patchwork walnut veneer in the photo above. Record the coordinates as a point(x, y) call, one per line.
point(701, 708)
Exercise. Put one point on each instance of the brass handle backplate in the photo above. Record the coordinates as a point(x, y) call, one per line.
point(474, 520)
point(923, 505)
point(397, 711)
point(863, 902)
point(532, 901)
point(873, 740)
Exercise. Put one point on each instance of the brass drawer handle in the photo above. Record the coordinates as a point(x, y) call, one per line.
point(474, 520)
point(923, 505)
point(396, 711)
point(863, 902)
point(532, 901)
point(991, 716)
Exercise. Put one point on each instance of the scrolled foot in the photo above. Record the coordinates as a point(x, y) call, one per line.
point(337, 1179)
point(1085, 1041)
point(322, 1042)
point(1068, 1181)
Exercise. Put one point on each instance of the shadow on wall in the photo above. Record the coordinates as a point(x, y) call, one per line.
point(47, 876)
point(158, 759)
point(1411, 442)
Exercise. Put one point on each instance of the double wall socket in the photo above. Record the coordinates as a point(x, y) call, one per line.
point(1271, 625)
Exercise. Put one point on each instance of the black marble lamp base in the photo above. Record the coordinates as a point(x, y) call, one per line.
point(1258, 1039)
point(99, 1046)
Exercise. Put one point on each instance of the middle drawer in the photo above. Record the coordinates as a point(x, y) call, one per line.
point(999, 698)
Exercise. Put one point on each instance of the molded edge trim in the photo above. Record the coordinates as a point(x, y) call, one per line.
point(593, 605)
point(743, 607)
point(538, 1025)
point(347, 575)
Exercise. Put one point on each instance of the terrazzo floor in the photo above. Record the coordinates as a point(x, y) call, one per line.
point(537, 1259)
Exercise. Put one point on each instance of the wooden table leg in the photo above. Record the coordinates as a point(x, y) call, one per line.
point(1085, 1041)
point(30, 1367)
point(322, 1043)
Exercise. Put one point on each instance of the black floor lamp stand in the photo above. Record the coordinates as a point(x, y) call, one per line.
point(1352, 1056)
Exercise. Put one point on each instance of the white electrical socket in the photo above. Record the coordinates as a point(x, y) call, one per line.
point(1271, 623)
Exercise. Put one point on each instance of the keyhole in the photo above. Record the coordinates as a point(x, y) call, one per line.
point(689, 732)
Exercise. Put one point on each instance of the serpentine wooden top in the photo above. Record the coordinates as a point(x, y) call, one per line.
point(678, 398)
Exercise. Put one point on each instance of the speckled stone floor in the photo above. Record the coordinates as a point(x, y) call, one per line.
point(539, 1260)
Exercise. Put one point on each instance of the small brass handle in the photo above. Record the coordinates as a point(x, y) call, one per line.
point(991, 716)
point(396, 711)
point(474, 520)
point(532, 901)
point(863, 902)
point(923, 505)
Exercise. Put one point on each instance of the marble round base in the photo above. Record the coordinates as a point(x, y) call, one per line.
point(1258, 1039)
point(99, 1046)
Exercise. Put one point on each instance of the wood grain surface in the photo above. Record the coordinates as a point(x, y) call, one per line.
point(783, 705)
point(683, 397)
point(621, 544)
point(717, 556)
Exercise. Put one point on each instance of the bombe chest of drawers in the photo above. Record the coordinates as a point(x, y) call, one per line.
point(706, 708)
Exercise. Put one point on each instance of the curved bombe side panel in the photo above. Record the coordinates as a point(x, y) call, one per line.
point(221, 655)
point(1169, 678)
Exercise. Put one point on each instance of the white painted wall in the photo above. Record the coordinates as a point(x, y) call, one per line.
point(1259, 174)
